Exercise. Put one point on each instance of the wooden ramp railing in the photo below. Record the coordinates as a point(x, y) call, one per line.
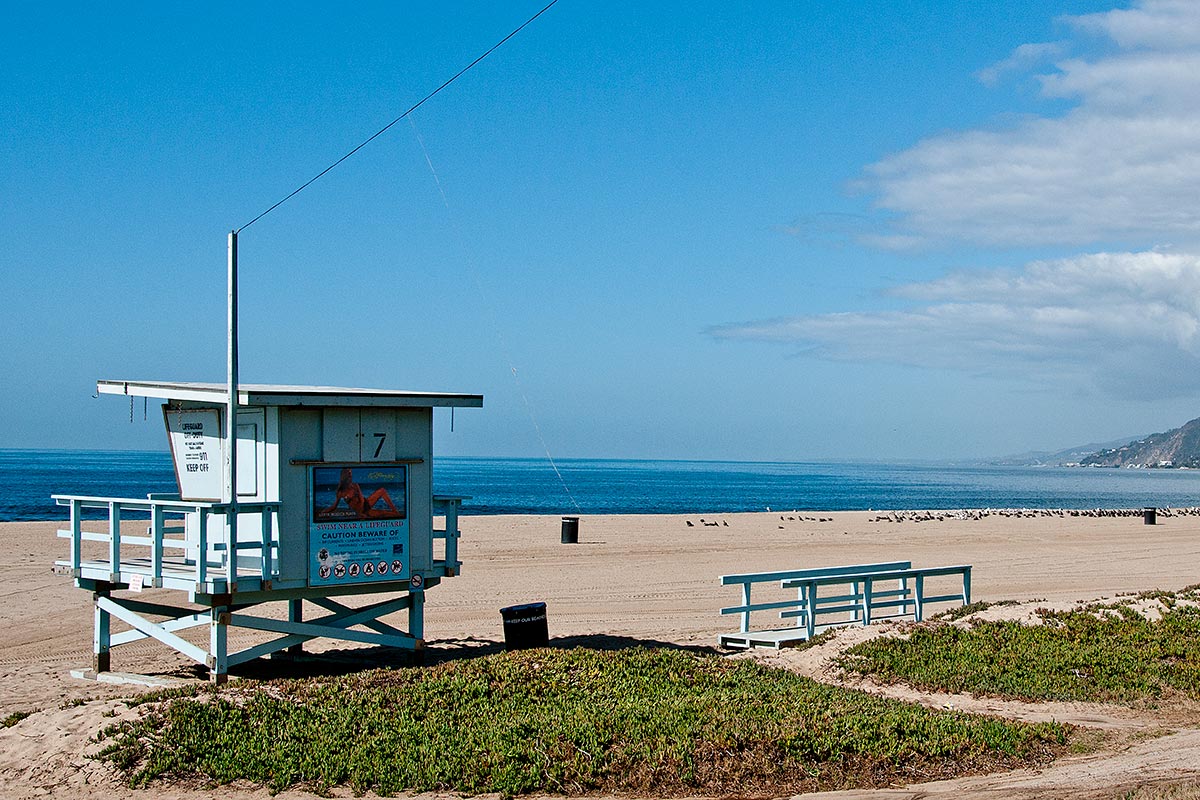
point(857, 597)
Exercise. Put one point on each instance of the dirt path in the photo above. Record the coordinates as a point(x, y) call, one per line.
point(1154, 747)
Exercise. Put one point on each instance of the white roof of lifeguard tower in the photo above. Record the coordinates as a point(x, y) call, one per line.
point(274, 395)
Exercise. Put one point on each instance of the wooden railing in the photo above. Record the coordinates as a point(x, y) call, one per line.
point(167, 531)
point(448, 507)
point(859, 595)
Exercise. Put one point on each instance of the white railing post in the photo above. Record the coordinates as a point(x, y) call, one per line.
point(919, 597)
point(202, 541)
point(802, 604)
point(76, 533)
point(966, 593)
point(114, 541)
point(746, 603)
point(452, 536)
point(156, 544)
point(231, 550)
point(267, 517)
point(810, 619)
point(866, 601)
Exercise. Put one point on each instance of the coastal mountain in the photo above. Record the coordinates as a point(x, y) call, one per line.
point(1179, 447)
point(1058, 458)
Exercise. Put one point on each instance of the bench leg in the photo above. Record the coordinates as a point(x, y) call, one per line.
point(866, 602)
point(810, 617)
point(745, 602)
point(801, 605)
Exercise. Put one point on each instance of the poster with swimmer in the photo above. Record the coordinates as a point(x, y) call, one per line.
point(358, 524)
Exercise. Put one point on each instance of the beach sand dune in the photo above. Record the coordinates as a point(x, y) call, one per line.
point(649, 579)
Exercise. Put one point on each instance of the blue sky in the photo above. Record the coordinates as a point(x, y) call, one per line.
point(742, 231)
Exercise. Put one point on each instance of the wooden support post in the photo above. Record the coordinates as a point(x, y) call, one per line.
point(810, 619)
point(452, 535)
point(966, 593)
point(218, 644)
point(296, 614)
point(266, 553)
point(114, 543)
point(919, 598)
point(76, 534)
point(903, 587)
point(802, 605)
point(746, 602)
point(416, 613)
point(202, 543)
point(102, 633)
point(156, 545)
point(866, 601)
point(857, 594)
point(231, 570)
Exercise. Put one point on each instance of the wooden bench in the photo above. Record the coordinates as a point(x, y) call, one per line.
point(857, 598)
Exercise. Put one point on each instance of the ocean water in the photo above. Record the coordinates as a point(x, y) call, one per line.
point(592, 486)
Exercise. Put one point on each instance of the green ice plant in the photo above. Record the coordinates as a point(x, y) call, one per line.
point(566, 721)
point(1107, 653)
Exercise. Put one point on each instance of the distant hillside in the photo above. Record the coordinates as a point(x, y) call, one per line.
point(1179, 447)
point(1058, 458)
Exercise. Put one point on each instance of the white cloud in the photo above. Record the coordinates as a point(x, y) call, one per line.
point(1023, 58)
point(1121, 166)
point(1155, 24)
point(1125, 323)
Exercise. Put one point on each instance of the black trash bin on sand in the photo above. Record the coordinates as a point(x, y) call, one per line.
point(525, 626)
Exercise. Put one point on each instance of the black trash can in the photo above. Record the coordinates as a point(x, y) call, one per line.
point(570, 530)
point(525, 626)
point(1150, 515)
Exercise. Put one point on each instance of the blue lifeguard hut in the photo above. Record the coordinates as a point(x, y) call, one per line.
point(334, 498)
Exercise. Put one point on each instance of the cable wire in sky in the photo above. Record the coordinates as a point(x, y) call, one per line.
point(385, 128)
point(483, 296)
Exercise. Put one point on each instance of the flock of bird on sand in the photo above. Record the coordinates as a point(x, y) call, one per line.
point(978, 514)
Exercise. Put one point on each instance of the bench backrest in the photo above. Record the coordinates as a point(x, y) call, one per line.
point(878, 575)
point(815, 573)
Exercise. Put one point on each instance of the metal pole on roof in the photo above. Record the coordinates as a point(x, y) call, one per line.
point(231, 401)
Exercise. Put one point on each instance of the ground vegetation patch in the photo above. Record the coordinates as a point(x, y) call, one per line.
point(661, 721)
point(1138, 650)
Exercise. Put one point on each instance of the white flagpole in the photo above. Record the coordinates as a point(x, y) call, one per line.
point(232, 399)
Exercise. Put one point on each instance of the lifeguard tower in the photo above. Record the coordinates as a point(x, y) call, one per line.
point(334, 498)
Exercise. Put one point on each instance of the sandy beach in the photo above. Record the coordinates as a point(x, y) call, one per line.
point(646, 579)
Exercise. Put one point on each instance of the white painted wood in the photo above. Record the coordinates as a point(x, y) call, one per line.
point(262, 394)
